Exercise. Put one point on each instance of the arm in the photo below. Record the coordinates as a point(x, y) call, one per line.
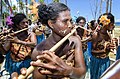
point(56, 65)
point(79, 70)
point(32, 43)
point(5, 47)
point(86, 39)
point(36, 73)
point(98, 51)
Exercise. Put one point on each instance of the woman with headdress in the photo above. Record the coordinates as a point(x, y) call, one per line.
point(69, 56)
point(18, 48)
point(101, 46)
point(65, 62)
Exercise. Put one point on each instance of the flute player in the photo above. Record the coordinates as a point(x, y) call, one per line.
point(67, 60)
point(18, 48)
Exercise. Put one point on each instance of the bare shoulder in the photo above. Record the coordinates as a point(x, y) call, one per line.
point(37, 50)
point(95, 35)
point(34, 54)
point(75, 39)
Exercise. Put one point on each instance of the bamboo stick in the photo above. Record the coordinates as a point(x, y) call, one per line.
point(31, 68)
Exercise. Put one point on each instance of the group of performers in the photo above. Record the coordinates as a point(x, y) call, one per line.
point(86, 48)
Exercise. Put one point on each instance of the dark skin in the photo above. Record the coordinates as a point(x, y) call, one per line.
point(99, 36)
point(81, 32)
point(60, 28)
point(19, 38)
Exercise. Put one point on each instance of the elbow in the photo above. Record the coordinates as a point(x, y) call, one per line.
point(83, 72)
point(80, 74)
point(35, 44)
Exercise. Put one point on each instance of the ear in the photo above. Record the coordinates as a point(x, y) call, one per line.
point(50, 23)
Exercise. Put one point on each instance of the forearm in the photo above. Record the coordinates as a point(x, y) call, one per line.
point(76, 73)
point(30, 44)
point(79, 70)
point(86, 39)
point(4, 47)
point(2, 50)
point(98, 51)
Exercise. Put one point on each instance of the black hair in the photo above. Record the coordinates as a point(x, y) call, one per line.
point(50, 11)
point(17, 19)
point(92, 24)
point(80, 18)
point(29, 21)
point(109, 16)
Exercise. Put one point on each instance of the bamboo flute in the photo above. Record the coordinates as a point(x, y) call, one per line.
point(31, 68)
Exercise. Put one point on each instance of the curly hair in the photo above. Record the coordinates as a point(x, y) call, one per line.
point(80, 18)
point(50, 11)
point(17, 19)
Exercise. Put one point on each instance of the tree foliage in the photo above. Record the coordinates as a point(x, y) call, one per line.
point(55, 0)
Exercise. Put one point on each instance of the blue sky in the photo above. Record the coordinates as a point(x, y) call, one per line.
point(86, 7)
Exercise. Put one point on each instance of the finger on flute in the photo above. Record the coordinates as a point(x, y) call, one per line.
point(31, 68)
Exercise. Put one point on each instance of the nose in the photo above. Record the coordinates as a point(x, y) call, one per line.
point(69, 24)
point(26, 24)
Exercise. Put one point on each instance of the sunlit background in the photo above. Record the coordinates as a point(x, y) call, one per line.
point(90, 9)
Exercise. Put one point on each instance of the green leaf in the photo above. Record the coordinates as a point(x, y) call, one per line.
point(55, 0)
point(41, 1)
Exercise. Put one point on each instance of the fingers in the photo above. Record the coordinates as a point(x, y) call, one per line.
point(50, 56)
point(53, 58)
point(43, 65)
point(44, 57)
point(14, 75)
point(44, 71)
point(23, 71)
point(48, 60)
point(57, 72)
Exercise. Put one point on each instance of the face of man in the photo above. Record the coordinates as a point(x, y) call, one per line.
point(81, 23)
point(111, 26)
point(23, 23)
point(63, 25)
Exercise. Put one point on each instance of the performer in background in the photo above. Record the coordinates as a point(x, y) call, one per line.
point(18, 48)
point(83, 35)
point(67, 60)
point(101, 46)
point(57, 17)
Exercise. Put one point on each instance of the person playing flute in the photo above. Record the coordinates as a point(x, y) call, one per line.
point(67, 60)
point(101, 46)
point(18, 47)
